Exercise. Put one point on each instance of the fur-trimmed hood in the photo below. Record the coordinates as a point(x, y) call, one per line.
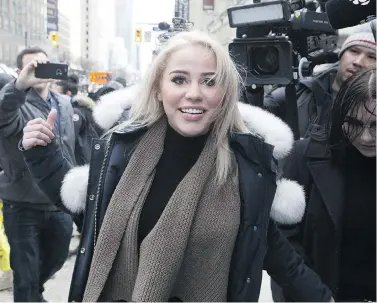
point(111, 106)
point(289, 202)
point(84, 101)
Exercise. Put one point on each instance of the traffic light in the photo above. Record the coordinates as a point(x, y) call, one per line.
point(54, 38)
point(138, 35)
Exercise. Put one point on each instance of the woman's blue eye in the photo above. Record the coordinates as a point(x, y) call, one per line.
point(178, 80)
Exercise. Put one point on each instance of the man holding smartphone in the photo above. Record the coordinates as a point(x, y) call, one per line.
point(38, 232)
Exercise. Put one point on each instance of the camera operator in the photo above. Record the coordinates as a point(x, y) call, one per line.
point(315, 96)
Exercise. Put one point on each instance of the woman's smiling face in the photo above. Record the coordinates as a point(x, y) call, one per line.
point(189, 92)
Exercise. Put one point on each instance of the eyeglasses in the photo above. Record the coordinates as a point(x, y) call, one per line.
point(358, 126)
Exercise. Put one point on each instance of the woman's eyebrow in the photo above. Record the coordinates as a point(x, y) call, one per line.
point(177, 71)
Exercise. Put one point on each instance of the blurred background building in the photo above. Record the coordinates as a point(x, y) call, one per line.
point(22, 23)
point(64, 27)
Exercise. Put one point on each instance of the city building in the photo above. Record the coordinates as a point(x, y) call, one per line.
point(22, 23)
point(211, 16)
point(124, 25)
point(97, 33)
point(88, 27)
point(64, 37)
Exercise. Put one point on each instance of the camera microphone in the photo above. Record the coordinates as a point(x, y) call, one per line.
point(164, 26)
point(347, 13)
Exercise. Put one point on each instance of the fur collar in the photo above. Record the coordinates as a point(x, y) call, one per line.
point(84, 101)
point(111, 106)
point(289, 202)
point(261, 123)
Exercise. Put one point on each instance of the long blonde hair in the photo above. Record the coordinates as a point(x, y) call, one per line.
point(148, 109)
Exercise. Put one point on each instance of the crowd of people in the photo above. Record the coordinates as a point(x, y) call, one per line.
point(182, 193)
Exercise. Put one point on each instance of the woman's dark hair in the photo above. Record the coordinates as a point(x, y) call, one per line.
point(70, 85)
point(357, 91)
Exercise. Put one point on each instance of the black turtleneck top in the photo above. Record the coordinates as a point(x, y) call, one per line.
point(179, 156)
point(357, 279)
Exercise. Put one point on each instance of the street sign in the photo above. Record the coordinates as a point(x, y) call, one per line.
point(138, 35)
point(147, 36)
point(54, 38)
point(100, 77)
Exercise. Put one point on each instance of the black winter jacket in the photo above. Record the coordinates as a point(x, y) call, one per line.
point(86, 129)
point(17, 108)
point(314, 100)
point(317, 238)
point(259, 244)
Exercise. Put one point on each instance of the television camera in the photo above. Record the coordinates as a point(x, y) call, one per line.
point(279, 41)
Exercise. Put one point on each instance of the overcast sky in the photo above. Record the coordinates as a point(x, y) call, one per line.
point(154, 11)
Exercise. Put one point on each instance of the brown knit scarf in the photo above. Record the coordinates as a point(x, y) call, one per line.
point(187, 254)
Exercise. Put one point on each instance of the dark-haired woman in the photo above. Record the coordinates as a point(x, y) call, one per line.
point(338, 170)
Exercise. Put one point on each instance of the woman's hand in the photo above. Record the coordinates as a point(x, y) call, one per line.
point(39, 131)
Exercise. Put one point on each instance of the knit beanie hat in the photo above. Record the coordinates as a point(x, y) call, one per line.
point(365, 39)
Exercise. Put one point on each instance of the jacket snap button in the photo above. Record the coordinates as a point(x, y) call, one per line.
point(91, 197)
point(97, 147)
point(255, 227)
point(248, 280)
point(260, 175)
point(82, 250)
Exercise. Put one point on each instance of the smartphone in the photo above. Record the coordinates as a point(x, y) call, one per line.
point(52, 71)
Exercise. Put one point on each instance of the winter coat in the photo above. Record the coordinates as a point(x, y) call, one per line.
point(17, 108)
point(314, 100)
point(116, 106)
point(259, 244)
point(317, 237)
point(86, 129)
point(4, 79)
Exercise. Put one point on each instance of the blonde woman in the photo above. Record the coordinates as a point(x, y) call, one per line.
point(177, 199)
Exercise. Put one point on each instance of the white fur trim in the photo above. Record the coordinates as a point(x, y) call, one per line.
point(85, 101)
point(260, 122)
point(111, 106)
point(289, 204)
point(271, 128)
point(74, 188)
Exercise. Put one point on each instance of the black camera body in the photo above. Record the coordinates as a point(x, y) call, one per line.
point(275, 50)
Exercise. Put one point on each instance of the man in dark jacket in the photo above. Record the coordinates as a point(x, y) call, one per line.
point(39, 233)
point(315, 95)
point(4, 79)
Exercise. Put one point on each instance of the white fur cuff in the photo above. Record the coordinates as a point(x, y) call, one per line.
point(74, 189)
point(289, 202)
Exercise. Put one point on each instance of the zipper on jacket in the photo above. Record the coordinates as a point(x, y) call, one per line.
point(99, 187)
